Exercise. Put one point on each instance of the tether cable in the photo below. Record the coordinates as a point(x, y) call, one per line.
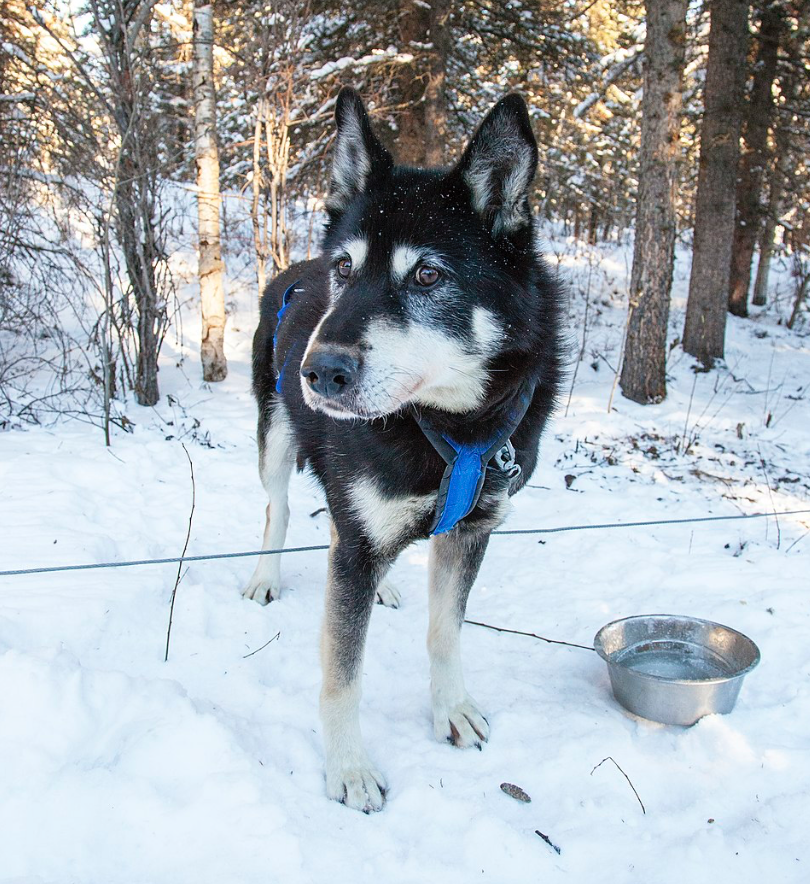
point(298, 549)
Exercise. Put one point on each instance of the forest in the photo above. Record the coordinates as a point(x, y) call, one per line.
point(160, 163)
point(682, 122)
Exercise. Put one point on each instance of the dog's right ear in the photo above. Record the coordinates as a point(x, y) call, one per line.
point(358, 155)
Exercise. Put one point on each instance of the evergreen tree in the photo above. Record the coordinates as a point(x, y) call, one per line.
point(758, 117)
point(704, 331)
point(643, 376)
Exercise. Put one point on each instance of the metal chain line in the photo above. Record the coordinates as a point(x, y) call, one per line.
point(297, 549)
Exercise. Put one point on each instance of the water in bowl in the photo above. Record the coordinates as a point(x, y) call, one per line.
point(674, 659)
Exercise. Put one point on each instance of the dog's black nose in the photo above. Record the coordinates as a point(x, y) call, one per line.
point(330, 372)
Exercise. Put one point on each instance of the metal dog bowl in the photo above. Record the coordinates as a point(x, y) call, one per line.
point(675, 669)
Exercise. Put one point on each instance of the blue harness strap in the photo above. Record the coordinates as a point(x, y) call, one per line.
point(461, 485)
point(285, 302)
point(466, 467)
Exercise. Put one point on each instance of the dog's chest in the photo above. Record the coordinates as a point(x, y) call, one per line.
point(392, 520)
point(388, 519)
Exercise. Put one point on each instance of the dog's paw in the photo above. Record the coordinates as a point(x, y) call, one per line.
point(388, 595)
point(262, 591)
point(463, 725)
point(358, 786)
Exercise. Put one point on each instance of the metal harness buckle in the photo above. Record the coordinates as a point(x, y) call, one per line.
point(504, 460)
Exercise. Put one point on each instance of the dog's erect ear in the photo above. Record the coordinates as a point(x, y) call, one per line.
point(357, 154)
point(499, 165)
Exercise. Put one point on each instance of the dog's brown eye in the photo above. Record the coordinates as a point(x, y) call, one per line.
point(426, 275)
point(344, 267)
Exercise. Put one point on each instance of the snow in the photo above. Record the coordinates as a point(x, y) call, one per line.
point(390, 55)
point(118, 767)
point(614, 65)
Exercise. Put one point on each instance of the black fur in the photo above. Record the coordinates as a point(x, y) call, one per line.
point(506, 276)
point(476, 215)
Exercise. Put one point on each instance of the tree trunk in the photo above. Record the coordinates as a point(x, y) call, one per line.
point(749, 186)
point(277, 135)
point(768, 234)
point(643, 376)
point(778, 173)
point(414, 29)
point(705, 327)
point(259, 232)
point(801, 272)
point(146, 382)
point(136, 184)
point(422, 87)
point(211, 270)
point(593, 225)
point(436, 90)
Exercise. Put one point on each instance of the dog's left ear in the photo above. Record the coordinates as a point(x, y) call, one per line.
point(498, 166)
point(357, 155)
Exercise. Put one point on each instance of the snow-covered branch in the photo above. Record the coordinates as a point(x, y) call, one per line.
point(18, 96)
point(390, 55)
point(627, 60)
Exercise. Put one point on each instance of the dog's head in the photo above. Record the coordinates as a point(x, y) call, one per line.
point(429, 270)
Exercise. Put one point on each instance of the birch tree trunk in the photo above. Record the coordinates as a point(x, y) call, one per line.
point(752, 163)
point(643, 376)
point(257, 215)
point(211, 269)
point(705, 327)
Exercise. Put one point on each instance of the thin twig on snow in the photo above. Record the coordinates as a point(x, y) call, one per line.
point(770, 495)
point(182, 555)
point(611, 758)
point(245, 656)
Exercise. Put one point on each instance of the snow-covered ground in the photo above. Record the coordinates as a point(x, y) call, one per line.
point(118, 767)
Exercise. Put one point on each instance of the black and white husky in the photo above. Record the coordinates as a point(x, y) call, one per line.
point(412, 366)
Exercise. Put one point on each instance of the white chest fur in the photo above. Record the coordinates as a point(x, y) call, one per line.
point(386, 519)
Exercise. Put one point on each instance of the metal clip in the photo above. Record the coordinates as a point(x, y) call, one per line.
point(505, 460)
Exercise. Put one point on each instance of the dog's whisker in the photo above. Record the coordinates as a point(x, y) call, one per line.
point(465, 373)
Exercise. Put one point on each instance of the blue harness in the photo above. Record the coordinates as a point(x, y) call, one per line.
point(466, 465)
point(285, 303)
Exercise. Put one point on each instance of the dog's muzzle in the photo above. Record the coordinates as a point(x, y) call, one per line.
point(330, 372)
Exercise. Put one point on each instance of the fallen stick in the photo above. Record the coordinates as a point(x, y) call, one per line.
point(548, 841)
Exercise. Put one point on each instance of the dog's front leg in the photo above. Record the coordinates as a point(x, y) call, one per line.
point(354, 572)
point(455, 558)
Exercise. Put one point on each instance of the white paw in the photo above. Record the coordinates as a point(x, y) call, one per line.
point(262, 590)
point(463, 725)
point(388, 595)
point(358, 786)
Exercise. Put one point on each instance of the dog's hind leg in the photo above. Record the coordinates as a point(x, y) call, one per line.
point(455, 558)
point(276, 460)
point(354, 572)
